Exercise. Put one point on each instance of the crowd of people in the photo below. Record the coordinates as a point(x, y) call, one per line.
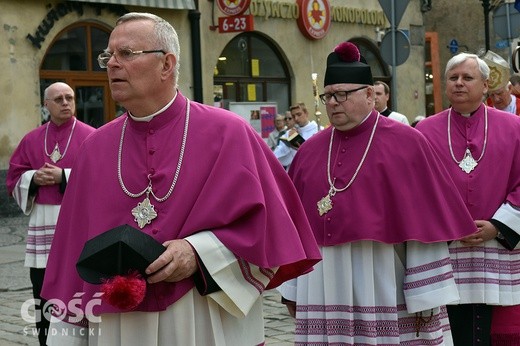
point(366, 245)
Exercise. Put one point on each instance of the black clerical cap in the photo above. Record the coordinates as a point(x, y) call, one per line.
point(119, 251)
point(345, 65)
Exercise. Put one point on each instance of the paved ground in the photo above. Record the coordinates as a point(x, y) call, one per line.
point(15, 290)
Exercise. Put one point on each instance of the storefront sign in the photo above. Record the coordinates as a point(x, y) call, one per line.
point(314, 19)
point(233, 7)
point(61, 10)
point(291, 10)
point(235, 24)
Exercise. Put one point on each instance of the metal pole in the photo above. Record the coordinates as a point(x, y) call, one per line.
point(509, 34)
point(393, 92)
point(485, 4)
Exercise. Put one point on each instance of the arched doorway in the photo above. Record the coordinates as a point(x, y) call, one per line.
point(72, 58)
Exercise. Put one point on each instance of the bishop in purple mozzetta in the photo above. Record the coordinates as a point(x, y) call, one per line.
point(383, 209)
point(197, 179)
point(480, 148)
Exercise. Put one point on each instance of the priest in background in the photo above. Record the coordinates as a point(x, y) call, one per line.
point(38, 173)
point(480, 148)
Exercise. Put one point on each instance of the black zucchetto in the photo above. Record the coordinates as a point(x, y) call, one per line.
point(346, 65)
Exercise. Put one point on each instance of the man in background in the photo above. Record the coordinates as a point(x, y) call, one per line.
point(305, 127)
point(480, 148)
point(279, 129)
point(500, 89)
point(381, 103)
point(37, 177)
point(503, 99)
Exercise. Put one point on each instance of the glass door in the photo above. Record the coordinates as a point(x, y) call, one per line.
point(90, 105)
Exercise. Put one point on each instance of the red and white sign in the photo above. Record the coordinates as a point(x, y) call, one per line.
point(233, 7)
point(314, 19)
point(235, 23)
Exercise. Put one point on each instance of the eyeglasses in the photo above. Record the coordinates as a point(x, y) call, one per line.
point(59, 100)
point(288, 119)
point(124, 54)
point(340, 95)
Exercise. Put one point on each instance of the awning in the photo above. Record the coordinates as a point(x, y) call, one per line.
point(171, 4)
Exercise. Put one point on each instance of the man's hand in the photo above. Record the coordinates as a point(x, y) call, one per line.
point(48, 175)
point(486, 231)
point(178, 262)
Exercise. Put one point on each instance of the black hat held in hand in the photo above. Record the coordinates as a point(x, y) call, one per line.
point(117, 259)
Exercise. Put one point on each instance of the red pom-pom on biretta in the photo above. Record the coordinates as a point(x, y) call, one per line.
point(347, 52)
point(124, 292)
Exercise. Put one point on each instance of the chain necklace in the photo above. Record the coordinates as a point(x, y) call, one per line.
point(55, 156)
point(325, 204)
point(144, 212)
point(468, 163)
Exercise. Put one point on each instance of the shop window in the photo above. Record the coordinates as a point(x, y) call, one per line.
point(251, 69)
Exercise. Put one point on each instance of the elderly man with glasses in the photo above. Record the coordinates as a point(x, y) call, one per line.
point(197, 180)
point(382, 218)
point(39, 170)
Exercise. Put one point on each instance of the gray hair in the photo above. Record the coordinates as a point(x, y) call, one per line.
point(165, 35)
point(462, 57)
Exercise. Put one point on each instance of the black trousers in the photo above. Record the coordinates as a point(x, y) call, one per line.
point(470, 324)
point(42, 325)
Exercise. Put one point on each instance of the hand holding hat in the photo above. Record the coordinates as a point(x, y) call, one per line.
point(117, 259)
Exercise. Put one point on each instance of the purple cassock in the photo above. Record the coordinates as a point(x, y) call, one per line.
point(489, 184)
point(383, 237)
point(229, 182)
point(401, 192)
point(485, 274)
point(30, 155)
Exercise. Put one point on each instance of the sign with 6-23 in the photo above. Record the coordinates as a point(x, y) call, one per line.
point(235, 23)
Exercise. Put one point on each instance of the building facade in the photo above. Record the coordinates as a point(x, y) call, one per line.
point(472, 26)
point(267, 68)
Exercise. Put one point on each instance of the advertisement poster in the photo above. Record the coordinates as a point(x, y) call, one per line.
point(259, 114)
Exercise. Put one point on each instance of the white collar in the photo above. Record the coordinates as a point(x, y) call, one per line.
point(151, 116)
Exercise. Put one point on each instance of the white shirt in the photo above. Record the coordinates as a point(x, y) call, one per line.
point(399, 117)
point(283, 153)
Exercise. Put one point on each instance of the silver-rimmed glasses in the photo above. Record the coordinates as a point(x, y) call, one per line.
point(339, 96)
point(123, 54)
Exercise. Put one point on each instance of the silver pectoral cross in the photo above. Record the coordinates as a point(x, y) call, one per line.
point(468, 163)
point(324, 205)
point(56, 155)
point(144, 212)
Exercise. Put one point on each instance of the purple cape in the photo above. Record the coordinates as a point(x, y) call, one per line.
point(30, 155)
point(492, 182)
point(402, 192)
point(230, 183)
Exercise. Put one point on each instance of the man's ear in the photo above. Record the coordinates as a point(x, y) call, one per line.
point(170, 61)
